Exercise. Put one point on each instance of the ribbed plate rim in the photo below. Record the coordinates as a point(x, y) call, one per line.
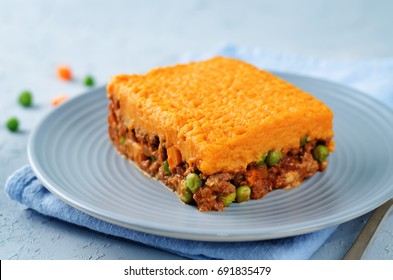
point(203, 234)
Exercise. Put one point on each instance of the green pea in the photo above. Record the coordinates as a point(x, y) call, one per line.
point(25, 98)
point(273, 157)
point(320, 153)
point(227, 200)
point(262, 160)
point(303, 140)
point(185, 195)
point(193, 182)
point(12, 124)
point(153, 158)
point(166, 168)
point(243, 193)
point(88, 81)
point(122, 140)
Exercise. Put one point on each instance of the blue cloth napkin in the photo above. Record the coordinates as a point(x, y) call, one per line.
point(23, 186)
point(373, 77)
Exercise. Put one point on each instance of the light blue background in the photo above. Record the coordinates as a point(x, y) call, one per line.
point(132, 36)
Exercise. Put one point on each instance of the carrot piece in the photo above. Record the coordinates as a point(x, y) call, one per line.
point(256, 174)
point(64, 73)
point(58, 100)
point(174, 157)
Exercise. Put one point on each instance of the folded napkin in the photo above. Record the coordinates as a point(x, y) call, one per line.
point(373, 77)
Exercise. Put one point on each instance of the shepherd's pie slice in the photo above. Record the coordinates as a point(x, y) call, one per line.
point(220, 130)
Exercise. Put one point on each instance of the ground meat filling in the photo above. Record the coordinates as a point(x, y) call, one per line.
point(150, 153)
point(218, 185)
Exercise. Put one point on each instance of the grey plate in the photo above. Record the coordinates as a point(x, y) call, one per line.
point(71, 154)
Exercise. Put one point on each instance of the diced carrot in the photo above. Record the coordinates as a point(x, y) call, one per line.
point(256, 174)
point(174, 157)
point(59, 99)
point(64, 73)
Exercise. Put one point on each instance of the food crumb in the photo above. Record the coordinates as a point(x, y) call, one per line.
point(64, 73)
point(25, 98)
point(12, 124)
point(88, 81)
point(59, 100)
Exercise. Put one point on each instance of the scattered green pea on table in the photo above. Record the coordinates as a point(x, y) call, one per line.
point(12, 124)
point(25, 99)
point(88, 81)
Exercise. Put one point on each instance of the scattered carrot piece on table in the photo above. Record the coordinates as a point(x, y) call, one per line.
point(59, 99)
point(64, 73)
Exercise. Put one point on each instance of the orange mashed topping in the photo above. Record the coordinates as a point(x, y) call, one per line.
point(220, 114)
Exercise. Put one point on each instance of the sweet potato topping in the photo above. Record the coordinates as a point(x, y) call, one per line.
point(219, 131)
point(222, 109)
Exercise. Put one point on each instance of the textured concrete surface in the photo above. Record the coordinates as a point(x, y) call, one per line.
point(133, 36)
point(381, 245)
